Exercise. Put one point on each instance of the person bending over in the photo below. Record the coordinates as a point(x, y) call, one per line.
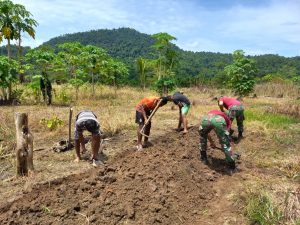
point(143, 111)
point(221, 123)
point(87, 120)
point(235, 111)
point(184, 105)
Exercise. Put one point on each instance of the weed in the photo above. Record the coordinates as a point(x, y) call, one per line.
point(53, 123)
point(260, 209)
point(46, 210)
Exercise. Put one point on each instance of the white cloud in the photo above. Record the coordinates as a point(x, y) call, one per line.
point(272, 27)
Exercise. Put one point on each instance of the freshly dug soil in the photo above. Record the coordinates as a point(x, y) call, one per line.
point(164, 184)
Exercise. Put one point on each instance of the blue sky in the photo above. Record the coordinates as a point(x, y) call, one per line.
point(256, 26)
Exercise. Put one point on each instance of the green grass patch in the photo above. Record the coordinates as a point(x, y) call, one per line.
point(272, 120)
point(260, 209)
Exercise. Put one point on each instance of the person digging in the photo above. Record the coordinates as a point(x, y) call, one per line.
point(235, 111)
point(219, 122)
point(143, 111)
point(87, 120)
point(184, 105)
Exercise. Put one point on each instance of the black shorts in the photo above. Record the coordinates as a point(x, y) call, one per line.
point(139, 118)
point(89, 125)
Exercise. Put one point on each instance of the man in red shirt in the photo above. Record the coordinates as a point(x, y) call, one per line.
point(143, 111)
point(235, 110)
point(221, 123)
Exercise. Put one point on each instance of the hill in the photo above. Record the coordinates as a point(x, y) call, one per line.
point(128, 44)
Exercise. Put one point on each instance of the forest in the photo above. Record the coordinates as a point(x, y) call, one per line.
point(190, 68)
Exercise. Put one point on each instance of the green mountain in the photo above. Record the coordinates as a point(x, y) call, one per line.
point(128, 44)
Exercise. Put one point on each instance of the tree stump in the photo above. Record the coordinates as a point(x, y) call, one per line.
point(24, 149)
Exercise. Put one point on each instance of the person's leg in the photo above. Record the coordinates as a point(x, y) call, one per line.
point(95, 146)
point(223, 135)
point(184, 112)
point(185, 122)
point(240, 123)
point(49, 97)
point(204, 129)
point(78, 141)
point(179, 121)
point(139, 119)
point(147, 132)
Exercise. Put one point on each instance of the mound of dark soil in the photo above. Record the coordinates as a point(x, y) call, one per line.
point(164, 184)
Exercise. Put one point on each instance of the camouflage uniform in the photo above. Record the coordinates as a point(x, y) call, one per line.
point(237, 111)
point(217, 123)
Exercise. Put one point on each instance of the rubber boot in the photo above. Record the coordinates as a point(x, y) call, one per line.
point(240, 135)
point(232, 165)
point(203, 157)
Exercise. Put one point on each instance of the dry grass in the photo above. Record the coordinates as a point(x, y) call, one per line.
point(281, 89)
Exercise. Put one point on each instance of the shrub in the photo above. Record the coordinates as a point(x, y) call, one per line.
point(164, 85)
point(53, 123)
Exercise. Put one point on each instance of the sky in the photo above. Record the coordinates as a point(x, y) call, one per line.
point(255, 26)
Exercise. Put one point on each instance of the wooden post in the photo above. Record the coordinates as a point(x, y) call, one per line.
point(24, 149)
point(70, 125)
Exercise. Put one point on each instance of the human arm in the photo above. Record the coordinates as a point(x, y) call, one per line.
point(221, 105)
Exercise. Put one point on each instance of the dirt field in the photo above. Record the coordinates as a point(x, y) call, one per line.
point(164, 184)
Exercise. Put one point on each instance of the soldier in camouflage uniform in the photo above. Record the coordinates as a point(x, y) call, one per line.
point(221, 123)
point(235, 111)
point(46, 88)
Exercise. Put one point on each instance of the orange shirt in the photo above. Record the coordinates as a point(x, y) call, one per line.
point(147, 103)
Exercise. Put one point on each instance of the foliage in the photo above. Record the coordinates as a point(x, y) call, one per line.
point(164, 85)
point(62, 97)
point(8, 75)
point(241, 74)
point(166, 54)
point(52, 123)
point(34, 87)
point(8, 71)
point(261, 210)
point(14, 20)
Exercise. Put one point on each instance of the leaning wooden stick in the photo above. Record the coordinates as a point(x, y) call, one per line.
point(149, 118)
point(70, 121)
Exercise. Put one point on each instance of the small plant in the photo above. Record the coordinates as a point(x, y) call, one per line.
point(53, 123)
point(62, 97)
point(46, 210)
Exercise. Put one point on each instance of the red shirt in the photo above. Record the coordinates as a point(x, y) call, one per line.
point(220, 113)
point(147, 103)
point(228, 102)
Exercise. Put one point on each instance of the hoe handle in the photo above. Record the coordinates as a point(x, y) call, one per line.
point(150, 117)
